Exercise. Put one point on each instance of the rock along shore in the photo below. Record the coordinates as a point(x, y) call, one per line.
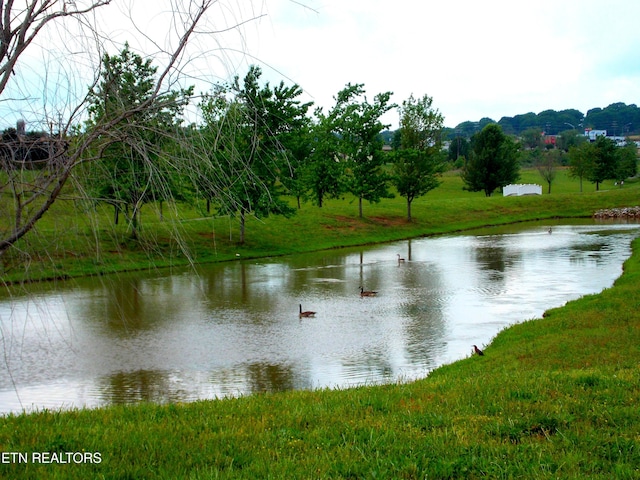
point(626, 212)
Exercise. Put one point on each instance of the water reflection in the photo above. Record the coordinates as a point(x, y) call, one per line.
point(234, 329)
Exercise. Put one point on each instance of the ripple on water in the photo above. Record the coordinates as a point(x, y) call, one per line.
point(235, 329)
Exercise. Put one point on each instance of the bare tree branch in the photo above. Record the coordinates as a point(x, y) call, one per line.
point(34, 192)
point(21, 26)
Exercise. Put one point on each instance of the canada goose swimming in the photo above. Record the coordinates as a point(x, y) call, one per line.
point(477, 351)
point(367, 293)
point(307, 313)
point(400, 259)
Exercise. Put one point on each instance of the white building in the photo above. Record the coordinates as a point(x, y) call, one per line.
point(592, 135)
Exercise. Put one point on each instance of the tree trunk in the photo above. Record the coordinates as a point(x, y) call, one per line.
point(360, 206)
point(19, 209)
point(134, 224)
point(22, 28)
point(6, 243)
point(242, 223)
point(409, 209)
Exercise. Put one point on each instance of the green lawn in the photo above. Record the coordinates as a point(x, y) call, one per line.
point(555, 397)
point(74, 239)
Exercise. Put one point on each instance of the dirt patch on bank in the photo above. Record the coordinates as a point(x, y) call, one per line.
point(389, 221)
point(350, 223)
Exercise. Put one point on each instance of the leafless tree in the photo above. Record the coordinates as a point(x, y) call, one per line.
point(80, 31)
point(548, 166)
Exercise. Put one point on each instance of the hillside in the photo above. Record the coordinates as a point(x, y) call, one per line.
point(617, 119)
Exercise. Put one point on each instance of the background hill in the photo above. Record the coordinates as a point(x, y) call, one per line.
point(618, 119)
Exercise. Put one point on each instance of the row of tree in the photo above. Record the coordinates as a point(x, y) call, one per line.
point(38, 28)
point(603, 160)
point(258, 143)
point(493, 159)
point(255, 143)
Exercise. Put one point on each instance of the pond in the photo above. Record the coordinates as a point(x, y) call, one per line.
point(233, 329)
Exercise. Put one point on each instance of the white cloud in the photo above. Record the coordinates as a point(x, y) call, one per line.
point(476, 59)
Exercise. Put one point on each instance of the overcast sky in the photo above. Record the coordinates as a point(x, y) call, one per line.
point(476, 59)
point(490, 58)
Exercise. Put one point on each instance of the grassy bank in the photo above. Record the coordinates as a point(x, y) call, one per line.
point(552, 398)
point(75, 240)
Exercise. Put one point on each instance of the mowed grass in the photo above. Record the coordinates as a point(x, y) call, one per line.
point(77, 239)
point(555, 397)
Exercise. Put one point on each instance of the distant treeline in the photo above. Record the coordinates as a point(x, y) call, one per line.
point(618, 119)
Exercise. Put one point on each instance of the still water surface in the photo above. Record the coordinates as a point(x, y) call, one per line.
point(233, 329)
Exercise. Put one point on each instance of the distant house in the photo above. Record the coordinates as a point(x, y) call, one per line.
point(592, 135)
point(21, 150)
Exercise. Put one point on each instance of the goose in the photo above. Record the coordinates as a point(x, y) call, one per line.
point(477, 351)
point(367, 293)
point(400, 259)
point(307, 313)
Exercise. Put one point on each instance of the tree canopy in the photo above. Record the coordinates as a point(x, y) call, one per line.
point(493, 163)
point(256, 142)
point(358, 125)
point(581, 160)
point(418, 161)
point(133, 169)
point(252, 128)
point(34, 24)
point(325, 170)
point(605, 161)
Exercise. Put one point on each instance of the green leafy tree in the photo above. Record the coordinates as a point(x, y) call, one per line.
point(396, 139)
point(359, 126)
point(617, 118)
point(220, 135)
point(250, 125)
point(532, 138)
point(570, 138)
point(418, 161)
point(326, 166)
point(605, 161)
point(134, 167)
point(493, 163)
point(581, 161)
point(289, 126)
point(298, 152)
point(549, 121)
point(627, 162)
